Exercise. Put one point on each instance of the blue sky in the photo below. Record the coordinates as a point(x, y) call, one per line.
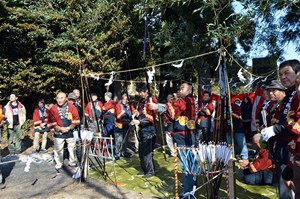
point(290, 49)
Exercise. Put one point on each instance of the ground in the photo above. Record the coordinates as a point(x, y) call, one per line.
point(41, 181)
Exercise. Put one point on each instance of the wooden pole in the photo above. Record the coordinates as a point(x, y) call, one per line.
point(231, 181)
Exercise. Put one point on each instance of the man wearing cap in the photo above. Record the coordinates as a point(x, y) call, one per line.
point(276, 93)
point(108, 115)
point(287, 130)
point(40, 120)
point(93, 111)
point(63, 117)
point(147, 137)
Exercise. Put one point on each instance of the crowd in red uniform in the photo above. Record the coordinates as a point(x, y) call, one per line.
point(187, 123)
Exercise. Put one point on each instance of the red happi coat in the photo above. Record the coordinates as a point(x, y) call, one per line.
point(145, 113)
point(208, 109)
point(262, 162)
point(55, 120)
point(183, 113)
point(88, 109)
point(37, 119)
point(291, 125)
point(109, 111)
point(120, 113)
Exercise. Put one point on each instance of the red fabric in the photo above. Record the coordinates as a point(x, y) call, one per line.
point(209, 109)
point(109, 106)
point(262, 162)
point(54, 118)
point(88, 109)
point(236, 109)
point(183, 107)
point(293, 125)
point(119, 113)
point(259, 105)
point(147, 111)
point(37, 117)
point(242, 96)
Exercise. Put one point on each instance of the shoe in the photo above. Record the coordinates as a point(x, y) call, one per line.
point(117, 157)
point(34, 151)
point(126, 155)
point(72, 165)
point(58, 171)
point(44, 151)
point(148, 175)
point(2, 186)
point(140, 173)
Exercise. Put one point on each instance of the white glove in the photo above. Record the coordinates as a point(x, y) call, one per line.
point(267, 133)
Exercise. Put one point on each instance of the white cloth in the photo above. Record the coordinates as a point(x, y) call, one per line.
point(267, 133)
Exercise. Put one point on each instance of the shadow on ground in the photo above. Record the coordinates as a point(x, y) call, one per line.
point(163, 184)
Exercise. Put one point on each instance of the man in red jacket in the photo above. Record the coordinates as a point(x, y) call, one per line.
point(145, 121)
point(108, 115)
point(93, 112)
point(286, 132)
point(40, 119)
point(123, 113)
point(183, 113)
point(260, 170)
point(63, 117)
point(206, 109)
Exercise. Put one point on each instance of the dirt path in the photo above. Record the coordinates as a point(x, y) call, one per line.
point(42, 182)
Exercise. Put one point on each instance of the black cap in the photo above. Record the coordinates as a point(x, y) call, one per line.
point(275, 84)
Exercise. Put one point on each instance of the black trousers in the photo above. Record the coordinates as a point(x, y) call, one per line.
point(146, 146)
point(202, 134)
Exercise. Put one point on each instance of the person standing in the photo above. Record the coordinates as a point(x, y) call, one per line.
point(63, 117)
point(93, 111)
point(238, 132)
point(2, 185)
point(168, 127)
point(78, 103)
point(147, 136)
point(183, 112)
point(15, 114)
point(203, 125)
point(286, 130)
point(123, 115)
point(108, 115)
point(40, 120)
point(246, 108)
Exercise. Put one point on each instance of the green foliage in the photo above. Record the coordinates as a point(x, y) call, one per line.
point(44, 42)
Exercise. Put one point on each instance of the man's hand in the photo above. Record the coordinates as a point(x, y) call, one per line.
point(267, 133)
point(64, 129)
point(152, 105)
point(135, 122)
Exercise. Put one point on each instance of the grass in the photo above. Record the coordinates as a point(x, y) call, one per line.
point(163, 184)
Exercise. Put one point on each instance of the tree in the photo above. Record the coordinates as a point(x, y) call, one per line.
point(43, 38)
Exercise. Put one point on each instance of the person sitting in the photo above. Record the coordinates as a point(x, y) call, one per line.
point(260, 170)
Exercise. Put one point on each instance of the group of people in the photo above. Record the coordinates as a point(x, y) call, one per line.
point(186, 121)
point(278, 125)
